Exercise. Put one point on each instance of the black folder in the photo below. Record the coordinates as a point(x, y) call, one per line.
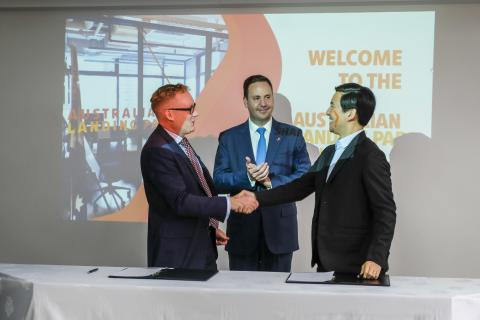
point(347, 279)
point(172, 274)
point(382, 281)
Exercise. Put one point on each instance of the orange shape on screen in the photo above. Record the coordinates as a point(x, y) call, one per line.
point(252, 49)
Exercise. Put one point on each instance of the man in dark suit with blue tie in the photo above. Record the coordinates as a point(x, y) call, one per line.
point(184, 209)
point(260, 154)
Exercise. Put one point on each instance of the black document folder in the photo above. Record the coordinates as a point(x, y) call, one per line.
point(348, 279)
point(166, 274)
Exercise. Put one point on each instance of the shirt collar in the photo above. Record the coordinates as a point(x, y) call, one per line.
point(345, 141)
point(253, 127)
point(174, 136)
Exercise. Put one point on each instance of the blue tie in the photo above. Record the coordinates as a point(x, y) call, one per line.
point(261, 147)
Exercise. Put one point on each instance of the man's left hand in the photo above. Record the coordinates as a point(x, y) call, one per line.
point(370, 270)
point(221, 237)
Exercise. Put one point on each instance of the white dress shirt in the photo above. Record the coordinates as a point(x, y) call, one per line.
point(340, 147)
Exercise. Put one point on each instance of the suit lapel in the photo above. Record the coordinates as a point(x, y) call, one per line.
point(347, 154)
point(273, 142)
point(324, 159)
point(321, 165)
point(176, 149)
point(244, 142)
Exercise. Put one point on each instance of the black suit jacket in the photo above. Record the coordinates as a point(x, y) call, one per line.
point(354, 218)
point(179, 210)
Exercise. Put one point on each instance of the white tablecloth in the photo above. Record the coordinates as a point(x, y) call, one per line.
point(68, 292)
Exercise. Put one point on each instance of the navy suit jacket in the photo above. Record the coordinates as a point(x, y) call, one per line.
point(354, 217)
point(288, 159)
point(179, 210)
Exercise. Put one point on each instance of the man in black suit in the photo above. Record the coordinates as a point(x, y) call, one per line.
point(183, 209)
point(354, 217)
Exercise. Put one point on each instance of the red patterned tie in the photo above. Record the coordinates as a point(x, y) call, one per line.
point(198, 169)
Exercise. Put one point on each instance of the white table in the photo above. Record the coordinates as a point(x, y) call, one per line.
point(68, 292)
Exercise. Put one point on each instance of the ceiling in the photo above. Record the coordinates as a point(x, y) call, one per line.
point(217, 4)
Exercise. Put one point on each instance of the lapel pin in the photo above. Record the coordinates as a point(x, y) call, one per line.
point(278, 139)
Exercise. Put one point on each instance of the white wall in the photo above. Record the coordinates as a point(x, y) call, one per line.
point(435, 180)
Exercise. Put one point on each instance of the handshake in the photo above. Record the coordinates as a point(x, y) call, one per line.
point(244, 202)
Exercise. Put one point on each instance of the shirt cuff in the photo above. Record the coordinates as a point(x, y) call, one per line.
point(252, 182)
point(229, 205)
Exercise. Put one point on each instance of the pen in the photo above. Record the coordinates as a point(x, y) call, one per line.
point(92, 270)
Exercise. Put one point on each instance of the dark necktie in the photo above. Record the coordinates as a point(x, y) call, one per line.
point(198, 170)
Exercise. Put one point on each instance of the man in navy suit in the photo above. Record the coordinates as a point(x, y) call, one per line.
point(260, 154)
point(183, 209)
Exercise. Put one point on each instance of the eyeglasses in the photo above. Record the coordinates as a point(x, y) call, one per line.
point(191, 109)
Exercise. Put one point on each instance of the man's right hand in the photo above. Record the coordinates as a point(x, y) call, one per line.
point(370, 270)
point(258, 173)
point(244, 202)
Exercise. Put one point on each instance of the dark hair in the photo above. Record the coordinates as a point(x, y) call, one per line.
point(252, 79)
point(357, 97)
point(165, 93)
